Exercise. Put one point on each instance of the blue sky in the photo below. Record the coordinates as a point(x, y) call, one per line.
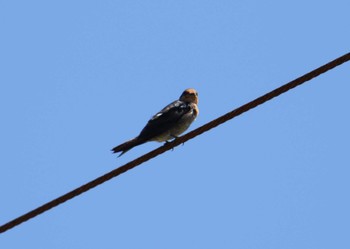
point(80, 77)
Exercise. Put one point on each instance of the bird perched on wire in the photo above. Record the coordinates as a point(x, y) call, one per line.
point(167, 124)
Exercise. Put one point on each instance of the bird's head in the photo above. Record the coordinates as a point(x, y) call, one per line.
point(189, 95)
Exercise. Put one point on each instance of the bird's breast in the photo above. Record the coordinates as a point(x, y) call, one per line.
point(179, 127)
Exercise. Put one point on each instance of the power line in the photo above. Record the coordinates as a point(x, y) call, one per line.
point(176, 142)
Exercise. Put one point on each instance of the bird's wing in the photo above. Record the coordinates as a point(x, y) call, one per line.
point(165, 119)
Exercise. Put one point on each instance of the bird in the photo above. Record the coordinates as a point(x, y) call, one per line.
point(167, 124)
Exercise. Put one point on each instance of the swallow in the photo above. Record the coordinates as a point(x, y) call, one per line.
point(167, 124)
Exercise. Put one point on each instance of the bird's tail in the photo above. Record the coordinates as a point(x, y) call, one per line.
point(124, 147)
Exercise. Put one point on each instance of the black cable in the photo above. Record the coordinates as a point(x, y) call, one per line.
point(176, 142)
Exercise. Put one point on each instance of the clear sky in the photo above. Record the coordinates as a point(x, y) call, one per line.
point(79, 77)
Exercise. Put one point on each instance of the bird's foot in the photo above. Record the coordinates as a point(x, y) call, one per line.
point(175, 137)
point(167, 142)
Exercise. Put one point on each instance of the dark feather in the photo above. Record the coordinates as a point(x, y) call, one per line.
point(124, 147)
point(165, 119)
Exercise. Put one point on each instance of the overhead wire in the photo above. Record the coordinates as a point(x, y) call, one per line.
point(168, 146)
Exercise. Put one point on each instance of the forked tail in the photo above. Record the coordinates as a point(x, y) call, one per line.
point(124, 147)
